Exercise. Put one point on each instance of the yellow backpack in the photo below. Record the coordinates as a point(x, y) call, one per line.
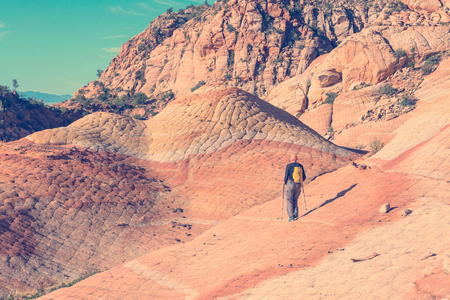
point(297, 175)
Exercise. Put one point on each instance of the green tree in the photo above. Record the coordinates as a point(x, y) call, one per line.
point(330, 98)
point(15, 84)
point(199, 84)
point(99, 73)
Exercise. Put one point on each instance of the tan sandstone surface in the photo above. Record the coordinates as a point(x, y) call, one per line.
point(110, 184)
point(342, 247)
point(206, 139)
point(188, 204)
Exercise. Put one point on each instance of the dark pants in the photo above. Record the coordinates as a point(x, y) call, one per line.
point(292, 192)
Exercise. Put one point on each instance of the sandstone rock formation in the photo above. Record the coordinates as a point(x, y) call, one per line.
point(314, 256)
point(192, 132)
point(134, 177)
point(365, 58)
point(187, 203)
point(64, 210)
point(251, 44)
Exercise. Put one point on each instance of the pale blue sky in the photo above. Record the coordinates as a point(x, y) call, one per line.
point(56, 46)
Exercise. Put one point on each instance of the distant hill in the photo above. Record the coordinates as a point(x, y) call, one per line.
point(20, 116)
point(47, 98)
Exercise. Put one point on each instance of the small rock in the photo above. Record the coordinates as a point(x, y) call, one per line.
point(362, 167)
point(390, 116)
point(446, 264)
point(406, 212)
point(385, 208)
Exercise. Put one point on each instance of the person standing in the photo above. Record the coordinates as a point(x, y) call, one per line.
point(293, 180)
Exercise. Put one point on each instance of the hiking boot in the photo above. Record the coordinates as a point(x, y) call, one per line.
point(291, 219)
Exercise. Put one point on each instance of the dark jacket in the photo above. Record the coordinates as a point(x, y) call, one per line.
point(290, 170)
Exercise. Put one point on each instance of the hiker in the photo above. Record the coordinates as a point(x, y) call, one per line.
point(293, 180)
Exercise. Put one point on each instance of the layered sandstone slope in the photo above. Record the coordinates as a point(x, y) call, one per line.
point(67, 210)
point(342, 247)
point(204, 122)
point(205, 140)
point(108, 183)
point(423, 139)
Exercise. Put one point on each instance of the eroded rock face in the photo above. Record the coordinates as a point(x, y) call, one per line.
point(203, 147)
point(364, 58)
point(251, 44)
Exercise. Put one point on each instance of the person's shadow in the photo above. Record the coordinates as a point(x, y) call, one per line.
point(339, 195)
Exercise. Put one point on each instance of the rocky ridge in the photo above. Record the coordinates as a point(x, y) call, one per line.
point(20, 117)
point(253, 45)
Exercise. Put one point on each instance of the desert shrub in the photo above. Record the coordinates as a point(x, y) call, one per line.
point(230, 60)
point(80, 99)
point(279, 59)
point(408, 100)
point(140, 74)
point(330, 129)
point(375, 146)
point(230, 28)
point(395, 6)
point(103, 96)
point(198, 85)
point(399, 53)
point(139, 98)
point(430, 64)
point(99, 73)
point(387, 89)
point(98, 83)
point(227, 76)
point(330, 98)
point(168, 95)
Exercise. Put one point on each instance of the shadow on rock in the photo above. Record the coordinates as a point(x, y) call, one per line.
point(339, 195)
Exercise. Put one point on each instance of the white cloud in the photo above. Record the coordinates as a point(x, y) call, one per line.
point(112, 49)
point(121, 11)
point(145, 6)
point(2, 25)
point(113, 37)
point(169, 3)
point(2, 35)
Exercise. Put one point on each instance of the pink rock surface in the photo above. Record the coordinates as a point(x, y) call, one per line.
point(330, 250)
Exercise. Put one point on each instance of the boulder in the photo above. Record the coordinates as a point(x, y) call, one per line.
point(385, 208)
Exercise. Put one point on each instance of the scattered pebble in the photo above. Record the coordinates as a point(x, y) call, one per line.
point(406, 212)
